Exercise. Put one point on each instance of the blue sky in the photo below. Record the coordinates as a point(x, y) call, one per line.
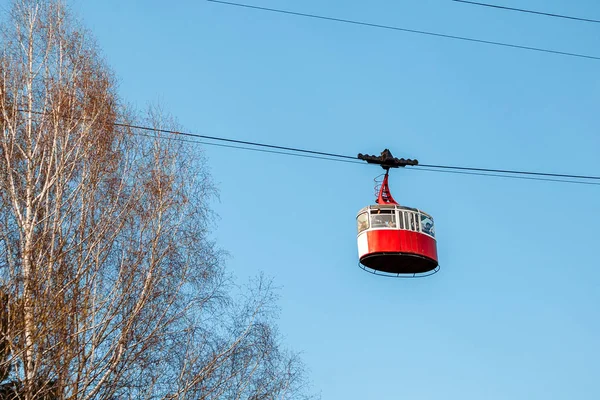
point(514, 311)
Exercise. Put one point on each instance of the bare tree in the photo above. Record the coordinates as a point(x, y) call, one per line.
point(109, 284)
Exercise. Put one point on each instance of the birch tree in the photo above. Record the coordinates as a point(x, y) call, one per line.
point(109, 284)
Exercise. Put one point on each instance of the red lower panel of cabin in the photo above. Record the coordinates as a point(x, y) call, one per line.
point(400, 251)
point(387, 240)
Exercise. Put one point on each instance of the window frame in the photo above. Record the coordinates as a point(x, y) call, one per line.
point(383, 211)
point(403, 218)
point(427, 216)
point(368, 220)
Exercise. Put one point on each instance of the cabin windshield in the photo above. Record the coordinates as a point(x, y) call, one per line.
point(363, 222)
point(385, 218)
point(427, 225)
point(401, 218)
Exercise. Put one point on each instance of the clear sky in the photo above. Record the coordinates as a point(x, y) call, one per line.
point(514, 312)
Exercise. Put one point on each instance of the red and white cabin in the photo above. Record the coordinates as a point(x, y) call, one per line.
point(397, 240)
point(394, 239)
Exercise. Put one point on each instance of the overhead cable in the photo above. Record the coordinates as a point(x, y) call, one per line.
point(354, 161)
point(396, 28)
point(507, 171)
point(527, 11)
point(235, 141)
point(532, 178)
point(307, 153)
point(497, 173)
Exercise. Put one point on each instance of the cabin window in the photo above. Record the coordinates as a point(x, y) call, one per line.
point(412, 222)
point(363, 222)
point(401, 220)
point(383, 218)
point(427, 225)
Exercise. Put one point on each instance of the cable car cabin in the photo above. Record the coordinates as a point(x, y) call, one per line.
point(394, 239)
point(397, 240)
